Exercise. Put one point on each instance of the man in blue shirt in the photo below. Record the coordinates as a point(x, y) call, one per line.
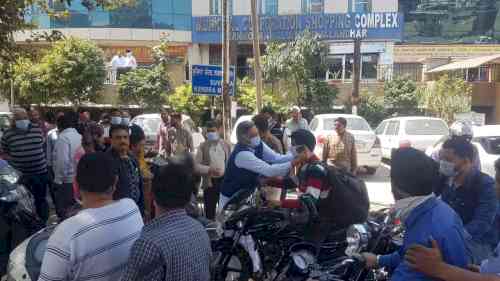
point(471, 194)
point(423, 215)
point(250, 159)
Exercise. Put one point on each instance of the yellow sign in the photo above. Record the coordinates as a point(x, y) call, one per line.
point(415, 53)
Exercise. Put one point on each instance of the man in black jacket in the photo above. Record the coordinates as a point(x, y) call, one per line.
point(130, 181)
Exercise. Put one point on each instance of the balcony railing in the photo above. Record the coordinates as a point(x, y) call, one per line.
point(113, 75)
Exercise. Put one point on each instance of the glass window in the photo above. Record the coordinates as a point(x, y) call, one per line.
point(314, 124)
point(349, 62)
point(215, 7)
point(392, 128)
point(362, 6)
point(312, 6)
point(215, 54)
point(380, 129)
point(490, 144)
point(335, 67)
point(269, 7)
point(369, 66)
point(357, 124)
point(426, 127)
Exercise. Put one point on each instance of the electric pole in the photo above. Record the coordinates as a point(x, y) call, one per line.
point(256, 55)
point(356, 69)
point(226, 98)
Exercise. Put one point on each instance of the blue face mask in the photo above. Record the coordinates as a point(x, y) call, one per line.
point(212, 136)
point(125, 121)
point(22, 124)
point(255, 141)
point(116, 120)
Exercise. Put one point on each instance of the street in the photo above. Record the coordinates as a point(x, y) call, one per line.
point(379, 188)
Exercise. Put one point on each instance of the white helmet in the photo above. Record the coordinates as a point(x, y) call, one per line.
point(461, 128)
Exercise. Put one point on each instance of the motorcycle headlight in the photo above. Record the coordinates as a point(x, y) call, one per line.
point(12, 196)
point(357, 238)
point(302, 261)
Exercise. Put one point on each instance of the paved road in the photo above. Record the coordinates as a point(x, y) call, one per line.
point(379, 187)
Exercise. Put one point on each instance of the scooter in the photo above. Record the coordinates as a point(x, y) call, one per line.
point(18, 218)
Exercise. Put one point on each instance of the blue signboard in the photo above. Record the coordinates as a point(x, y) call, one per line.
point(348, 26)
point(207, 80)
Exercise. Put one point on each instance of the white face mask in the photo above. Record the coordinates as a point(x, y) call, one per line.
point(212, 136)
point(116, 120)
point(447, 168)
point(22, 124)
point(125, 120)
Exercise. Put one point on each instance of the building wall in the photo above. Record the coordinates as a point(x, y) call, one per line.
point(336, 6)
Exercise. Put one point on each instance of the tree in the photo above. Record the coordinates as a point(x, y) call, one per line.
point(76, 69)
point(31, 81)
point(146, 87)
point(446, 97)
point(400, 95)
point(320, 96)
point(372, 109)
point(298, 62)
point(183, 100)
point(246, 95)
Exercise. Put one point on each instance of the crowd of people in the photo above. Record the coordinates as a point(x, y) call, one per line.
point(117, 224)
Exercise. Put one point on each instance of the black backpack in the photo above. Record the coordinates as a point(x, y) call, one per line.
point(347, 202)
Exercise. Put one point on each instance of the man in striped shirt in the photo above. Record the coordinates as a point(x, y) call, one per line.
point(22, 146)
point(94, 245)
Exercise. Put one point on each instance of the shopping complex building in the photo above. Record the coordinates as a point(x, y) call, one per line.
point(418, 39)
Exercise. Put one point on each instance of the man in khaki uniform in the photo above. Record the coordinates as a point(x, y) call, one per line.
point(180, 138)
point(340, 148)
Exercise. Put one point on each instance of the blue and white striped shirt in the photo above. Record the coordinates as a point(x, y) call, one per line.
point(94, 245)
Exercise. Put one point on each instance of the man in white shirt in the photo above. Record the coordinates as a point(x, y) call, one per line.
point(94, 244)
point(67, 143)
point(293, 124)
point(130, 60)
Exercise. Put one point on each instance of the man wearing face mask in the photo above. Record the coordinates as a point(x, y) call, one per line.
point(471, 194)
point(214, 154)
point(22, 137)
point(250, 159)
point(424, 217)
point(116, 117)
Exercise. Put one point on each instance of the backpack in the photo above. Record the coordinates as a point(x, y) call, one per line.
point(347, 202)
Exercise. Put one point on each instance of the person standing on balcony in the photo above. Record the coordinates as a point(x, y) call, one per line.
point(130, 61)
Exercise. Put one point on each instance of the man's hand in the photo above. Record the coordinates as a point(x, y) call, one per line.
point(300, 159)
point(428, 261)
point(371, 260)
point(214, 172)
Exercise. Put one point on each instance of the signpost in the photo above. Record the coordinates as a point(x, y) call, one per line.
point(207, 80)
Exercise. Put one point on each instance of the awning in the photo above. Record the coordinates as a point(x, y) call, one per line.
point(466, 64)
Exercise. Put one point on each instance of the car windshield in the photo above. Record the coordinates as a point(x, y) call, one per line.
point(150, 125)
point(426, 127)
point(356, 124)
point(490, 144)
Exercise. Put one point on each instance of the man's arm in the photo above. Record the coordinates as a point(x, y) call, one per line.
point(429, 261)
point(143, 260)
point(275, 158)
point(485, 213)
point(354, 156)
point(56, 263)
point(326, 149)
point(247, 160)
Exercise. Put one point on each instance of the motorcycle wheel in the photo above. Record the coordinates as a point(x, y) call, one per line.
point(231, 265)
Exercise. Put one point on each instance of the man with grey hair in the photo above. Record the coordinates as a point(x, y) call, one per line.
point(22, 147)
point(293, 124)
point(250, 159)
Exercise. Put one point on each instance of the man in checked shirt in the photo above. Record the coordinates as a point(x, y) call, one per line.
point(173, 246)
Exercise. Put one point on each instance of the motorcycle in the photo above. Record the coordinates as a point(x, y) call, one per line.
point(18, 218)
point(380, 235)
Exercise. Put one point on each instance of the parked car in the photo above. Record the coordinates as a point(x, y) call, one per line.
point(417, 132)
point(367, 143)
point(487, 141)
point(150, 123)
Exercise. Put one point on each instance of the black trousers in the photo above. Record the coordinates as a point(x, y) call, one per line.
point(211, 197)
point(37, 185)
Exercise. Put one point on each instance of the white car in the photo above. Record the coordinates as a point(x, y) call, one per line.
point(418, 132)
point(487, 141)
point(367, 143)
point(150, 123)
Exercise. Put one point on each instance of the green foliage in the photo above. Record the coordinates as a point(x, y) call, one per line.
point(400, 95)
point(31, 81)
point(296, 62)
point(246, 96)
point(145, 87)
point(446, 97)
point(372, 109)
point(319, 96)
point(183, 100)
point(76, 69)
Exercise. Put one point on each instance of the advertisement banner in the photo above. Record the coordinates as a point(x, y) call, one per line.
point(348, 26)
